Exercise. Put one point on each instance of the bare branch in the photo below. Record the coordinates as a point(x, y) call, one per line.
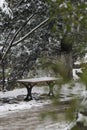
point(6, 40)
point(34, 29)
point(15, 35)
point(21, 28)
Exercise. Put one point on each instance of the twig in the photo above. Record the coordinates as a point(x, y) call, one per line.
point(34, 29)
point(10, 44)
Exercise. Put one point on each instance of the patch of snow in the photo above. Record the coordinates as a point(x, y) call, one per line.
point(68, 92)
point(75, 76)
point(53, 0)
point(63, 5)
point(23, 91)
point(85, 58)
point(4, 7)
point(60, 125)
point(70, 125)
point(57, 126)
point(76, 89)
point(27, 50)
point(77, 62)
point(82, 119)
point(7, 108)
point(14, 93)
point(36, 80)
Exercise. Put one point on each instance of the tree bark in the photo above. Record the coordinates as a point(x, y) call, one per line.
point(66, 59)
point(3, 75)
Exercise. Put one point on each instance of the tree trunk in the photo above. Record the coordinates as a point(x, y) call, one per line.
point(3, 75)
point(66, 59)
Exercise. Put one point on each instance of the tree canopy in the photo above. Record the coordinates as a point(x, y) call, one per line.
point(59, 23)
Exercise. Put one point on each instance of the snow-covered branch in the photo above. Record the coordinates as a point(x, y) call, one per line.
point(23, 38)
point(33, 30)
point(5, 9)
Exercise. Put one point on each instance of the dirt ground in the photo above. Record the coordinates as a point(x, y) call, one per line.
point(31, 119)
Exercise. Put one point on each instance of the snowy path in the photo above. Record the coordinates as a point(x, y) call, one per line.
point(31, 119)
point(26, 115)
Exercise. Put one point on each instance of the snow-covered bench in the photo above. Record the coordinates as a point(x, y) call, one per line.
point(30, 83)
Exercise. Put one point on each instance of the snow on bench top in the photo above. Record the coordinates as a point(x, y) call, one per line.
point(36, 80)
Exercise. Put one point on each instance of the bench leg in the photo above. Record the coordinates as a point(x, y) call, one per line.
point(51, 85)
point(29, 95)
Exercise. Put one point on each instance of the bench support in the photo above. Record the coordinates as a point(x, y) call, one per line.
point(51, 85)
point(29, 90)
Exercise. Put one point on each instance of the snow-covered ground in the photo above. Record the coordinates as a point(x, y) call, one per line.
point(67, 92)
point(8, 108)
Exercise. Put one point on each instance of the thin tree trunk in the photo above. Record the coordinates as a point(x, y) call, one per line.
point(15, 35)
point(3, 75)
point(66, 59)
